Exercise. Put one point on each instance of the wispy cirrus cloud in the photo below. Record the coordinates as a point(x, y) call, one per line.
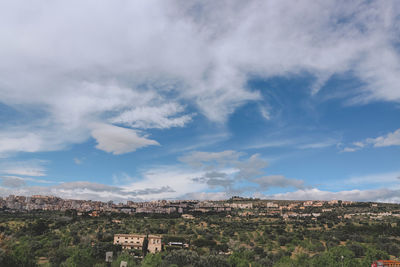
point(390, 179)
point(16, 181)
point(24, 168)
point(159, 117)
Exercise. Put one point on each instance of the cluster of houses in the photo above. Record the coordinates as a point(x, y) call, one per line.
point(235, 206)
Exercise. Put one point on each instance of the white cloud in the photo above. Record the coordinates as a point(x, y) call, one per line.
point(323, 144)
point(28, 143)
point(119, 140)
point(299, 143)
point(78, 161)
point(73, 66)
point(162, 117)
point(265, 113)
point(202, 141)
point(359, 144)
point(390, 139)
point(179, 180)
point(350, 149)
point(24, 168)
point(273, 143)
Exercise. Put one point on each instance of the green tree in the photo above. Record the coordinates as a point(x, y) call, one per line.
point(181, 258)
point(145, 246)
point(152, 260)
point(79, 258)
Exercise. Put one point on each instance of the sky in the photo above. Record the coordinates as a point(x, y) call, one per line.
point(145, 100)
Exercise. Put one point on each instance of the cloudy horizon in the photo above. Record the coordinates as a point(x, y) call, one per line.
point(171, 100)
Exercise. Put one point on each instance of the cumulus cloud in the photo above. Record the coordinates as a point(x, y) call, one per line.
point(73, 66)
point(119, 140)
point(390, 139)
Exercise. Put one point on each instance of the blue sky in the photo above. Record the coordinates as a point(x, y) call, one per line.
point(201, 100)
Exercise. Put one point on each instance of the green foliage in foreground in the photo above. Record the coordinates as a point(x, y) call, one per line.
point(61, 239)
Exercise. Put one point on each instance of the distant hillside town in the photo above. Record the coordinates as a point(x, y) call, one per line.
point(237, 206)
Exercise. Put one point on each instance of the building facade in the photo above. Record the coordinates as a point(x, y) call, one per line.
point(135, 241)
point(129, 241)
point(154, 245)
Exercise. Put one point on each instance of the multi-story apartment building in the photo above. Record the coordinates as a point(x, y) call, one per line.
point(129, 241)
point(135, 241)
